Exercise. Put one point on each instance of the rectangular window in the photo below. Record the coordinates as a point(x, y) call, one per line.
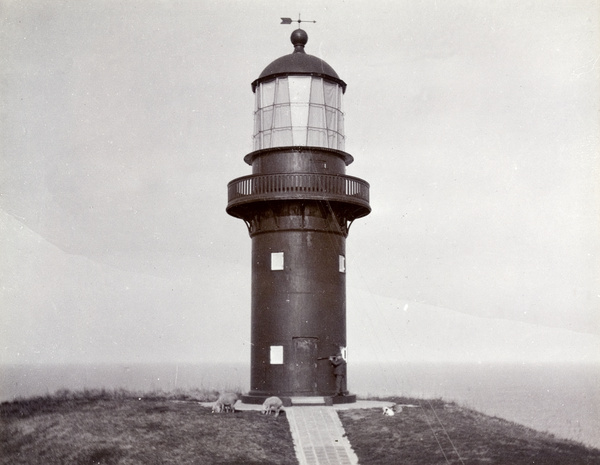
point(342, 264)
point(276, 261)
point(276, 355)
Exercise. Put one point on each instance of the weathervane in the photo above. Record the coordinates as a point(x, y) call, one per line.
point(290, 20)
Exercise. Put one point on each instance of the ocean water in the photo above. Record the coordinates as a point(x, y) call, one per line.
point(563, 399)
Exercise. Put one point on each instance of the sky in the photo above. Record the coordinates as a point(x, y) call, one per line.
point(475, 123)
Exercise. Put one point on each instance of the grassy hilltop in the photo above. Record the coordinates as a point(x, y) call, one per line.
point(438, 432)
point(117, 427)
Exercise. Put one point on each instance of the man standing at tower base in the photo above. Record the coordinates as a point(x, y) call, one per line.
point(339, 370)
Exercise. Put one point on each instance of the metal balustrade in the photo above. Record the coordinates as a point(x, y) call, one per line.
point(298, 185)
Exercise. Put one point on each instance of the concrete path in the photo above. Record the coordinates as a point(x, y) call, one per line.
point(319, 437)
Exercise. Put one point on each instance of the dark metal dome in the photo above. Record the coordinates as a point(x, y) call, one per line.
point(299, 63)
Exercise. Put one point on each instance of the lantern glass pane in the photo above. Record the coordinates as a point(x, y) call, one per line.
point(332, 119)
point(282, 117)
point(267, 118)
point(283, 94)
point(331, 93)
point(282, 137)
point(299, 118)
point(317, 137)
point(332, 138)
point(266, 139)
point(267, 93)
point(299, 135)
point(316, 91)
point(299, 88)
point(316, 117)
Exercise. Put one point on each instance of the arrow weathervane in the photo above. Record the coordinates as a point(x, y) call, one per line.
point(290, 20)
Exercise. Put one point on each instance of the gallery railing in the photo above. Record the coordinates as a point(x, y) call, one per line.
point(312, 186)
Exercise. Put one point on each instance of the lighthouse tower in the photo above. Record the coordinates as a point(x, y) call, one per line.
point(298, 205)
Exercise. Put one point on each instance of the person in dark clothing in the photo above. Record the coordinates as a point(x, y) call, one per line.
point(339, 370)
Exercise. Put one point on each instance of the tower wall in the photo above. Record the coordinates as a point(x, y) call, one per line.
point(302, 303)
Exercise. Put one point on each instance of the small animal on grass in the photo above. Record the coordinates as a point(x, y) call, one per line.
point(390, 411)
point(272, 404)
point(225, 403)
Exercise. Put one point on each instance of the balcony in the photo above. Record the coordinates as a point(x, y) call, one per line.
point(302, 186)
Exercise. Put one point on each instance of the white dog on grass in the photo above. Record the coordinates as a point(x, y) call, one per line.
point(391, 411)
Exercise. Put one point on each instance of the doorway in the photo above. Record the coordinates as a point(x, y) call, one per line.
point(304, 369)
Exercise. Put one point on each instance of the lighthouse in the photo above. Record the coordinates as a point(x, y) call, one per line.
point(298, 205)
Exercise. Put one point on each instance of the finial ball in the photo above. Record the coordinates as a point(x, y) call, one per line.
point(299, 38)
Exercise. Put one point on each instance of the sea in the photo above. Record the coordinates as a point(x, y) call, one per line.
point(562, 399)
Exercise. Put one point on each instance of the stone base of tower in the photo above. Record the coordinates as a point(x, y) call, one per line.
point(290, 401)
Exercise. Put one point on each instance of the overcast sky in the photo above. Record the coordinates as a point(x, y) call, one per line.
point(475, 122)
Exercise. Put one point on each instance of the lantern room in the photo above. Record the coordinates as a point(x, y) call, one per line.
point(298, 102)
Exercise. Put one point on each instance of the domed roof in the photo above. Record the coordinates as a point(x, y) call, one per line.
point(298, 63)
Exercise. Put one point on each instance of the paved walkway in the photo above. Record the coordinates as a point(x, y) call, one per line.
point(318, 434)
point(319, 437)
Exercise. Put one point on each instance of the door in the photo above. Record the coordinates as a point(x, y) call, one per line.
point(304, 370)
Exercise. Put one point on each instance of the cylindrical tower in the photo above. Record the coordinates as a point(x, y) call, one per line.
point(298, 205)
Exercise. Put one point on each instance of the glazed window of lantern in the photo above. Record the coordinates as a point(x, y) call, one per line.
point(298, 110)
point(276, 355)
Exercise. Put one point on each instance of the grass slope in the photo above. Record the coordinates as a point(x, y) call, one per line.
point(436, 432)
point(100, 427)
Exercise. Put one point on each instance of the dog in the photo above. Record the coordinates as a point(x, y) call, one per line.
point(388, 411)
